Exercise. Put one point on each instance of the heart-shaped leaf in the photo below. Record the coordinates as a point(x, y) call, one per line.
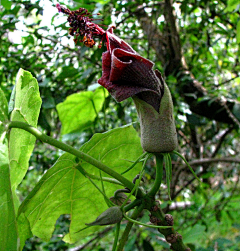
point(64, 190)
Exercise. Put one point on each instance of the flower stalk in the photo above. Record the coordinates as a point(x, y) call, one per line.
point(158, 178)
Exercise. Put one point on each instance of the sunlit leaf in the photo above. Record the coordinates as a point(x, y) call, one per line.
point(26, 109)
point(8, 227)
point(79, 109)
point(24, 230)
point(64, 190)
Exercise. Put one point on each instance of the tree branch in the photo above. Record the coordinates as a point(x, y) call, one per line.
point(169, 51)
point(221, 140)
point(213, 160)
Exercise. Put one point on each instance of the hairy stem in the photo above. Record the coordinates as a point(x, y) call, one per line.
point(51, 141)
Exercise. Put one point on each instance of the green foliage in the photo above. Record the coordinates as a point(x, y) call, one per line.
point(27, 103)
point(232, 5)
point(64, 190)
point(206, 216)
point(238, 32)
point(8, 227)
point(15, 154)
point(79, 110)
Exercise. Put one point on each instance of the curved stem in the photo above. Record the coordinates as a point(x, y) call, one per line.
point(95, 177)
point(158, 178)
point(136, 185)
point(143, 224)
point(179, 155)
point(131, 205)
point(135, 163)
point(51, 141)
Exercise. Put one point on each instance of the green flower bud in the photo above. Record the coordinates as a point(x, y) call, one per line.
point(111, 216)
point(158, 131)
point(119, 198)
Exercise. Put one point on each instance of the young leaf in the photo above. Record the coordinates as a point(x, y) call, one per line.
point(80, 109)
point(27, 105)
point(65, 190)
point(8, 226)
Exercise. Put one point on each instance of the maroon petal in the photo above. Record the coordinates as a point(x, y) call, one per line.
point(114, 42)
point(126, 74)
point(106, 69)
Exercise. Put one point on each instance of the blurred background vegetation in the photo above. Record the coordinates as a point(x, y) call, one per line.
point(195, 44)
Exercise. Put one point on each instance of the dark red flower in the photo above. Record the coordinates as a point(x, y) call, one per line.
point(126, 73)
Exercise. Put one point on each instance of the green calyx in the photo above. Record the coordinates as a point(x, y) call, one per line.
point(111, 216)
point(158, 131)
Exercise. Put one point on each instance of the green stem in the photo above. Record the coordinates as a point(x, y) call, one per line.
point(95, 110)
point(136, 186)
point(131, 205)
point(168, 169)
point(128, 197)
point(104, 110)
point(137, 211)
point(116, 236)
point(51, 141)
point(143, 224)
point(108, 201)
point(158, 178)
point(95, 177)
point(135, 163)
point(194, 174)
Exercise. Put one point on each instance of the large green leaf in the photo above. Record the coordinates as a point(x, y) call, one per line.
point(27, 103)
point(8, 227)
point(79, 109)
point(64, 190)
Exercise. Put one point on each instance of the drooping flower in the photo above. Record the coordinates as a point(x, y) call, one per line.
point(127, 74)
